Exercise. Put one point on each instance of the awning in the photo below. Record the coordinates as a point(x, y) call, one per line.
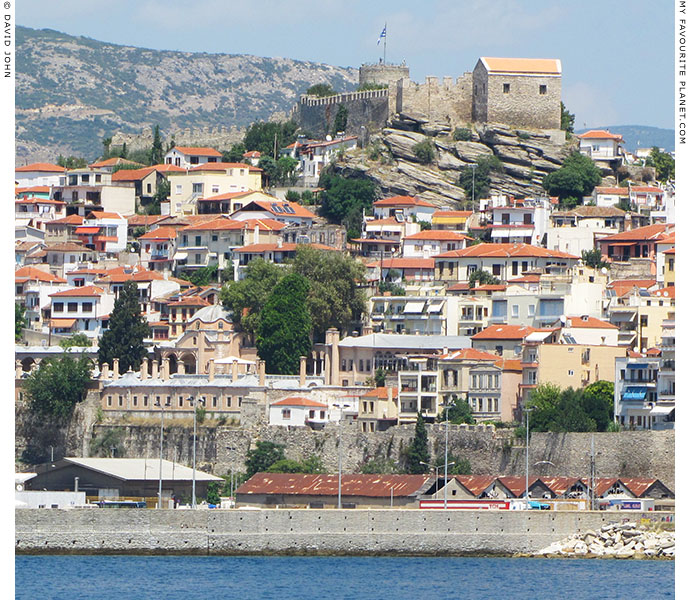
point(622, 243)
point(635, 393)
point(180, 256)
point(89, 230)
point(414, 307)
point(662, 410)
point(638, 366)
point(537, 336)
point(62, 323)
point(436, 306)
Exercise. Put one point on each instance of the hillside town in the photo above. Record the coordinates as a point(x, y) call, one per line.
point(257, 307)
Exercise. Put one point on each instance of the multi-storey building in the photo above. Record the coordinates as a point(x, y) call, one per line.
point(636, 404)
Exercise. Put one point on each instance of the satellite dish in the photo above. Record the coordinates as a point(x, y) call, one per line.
point(604, 270)
point(328, 138)
point(563, 319)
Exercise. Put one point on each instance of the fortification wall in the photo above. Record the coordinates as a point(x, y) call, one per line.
point(283, 531)
point(220, 137)
point(446, 101)
point(368, 109)
point(380, 73)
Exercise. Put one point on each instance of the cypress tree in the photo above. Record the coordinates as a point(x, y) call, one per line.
point(418, 450)
point(156, 147)
point(125, 337)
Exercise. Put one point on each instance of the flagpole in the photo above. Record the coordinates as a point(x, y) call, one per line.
point(385, 38)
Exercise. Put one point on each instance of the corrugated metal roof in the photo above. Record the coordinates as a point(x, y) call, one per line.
point(372, 486)
point(141, 468)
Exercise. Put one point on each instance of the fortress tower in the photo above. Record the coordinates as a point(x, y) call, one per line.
point(383, 73)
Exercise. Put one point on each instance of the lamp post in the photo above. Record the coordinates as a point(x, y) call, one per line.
point(160, 456)
point(232, 472)
point(340, 452)
point(445, 462)
point(527, 412)
point(194, 401)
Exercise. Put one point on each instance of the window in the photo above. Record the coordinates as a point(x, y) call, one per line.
point(571, 372)
point(496, 270)
point(72, 307)
point(322, 414)
point(110, 400)
point(98, 178)
point(135, 400)
point(214, 401)
point(119, 400)
point(515, 266)
point(499, 350)
point(286, 413)
point(214, 238)
point(644, 320)
point(311, 414)
point(542, 90)
point(86, 306)
point(361, 365)
point(58, 307)
point(215, 189)
point(146, 400)
point(228, 401)
point(515, 311)
point(180, 401)
point(530, 310)
point(178, 189)
point(197, 240)
point(506, 88)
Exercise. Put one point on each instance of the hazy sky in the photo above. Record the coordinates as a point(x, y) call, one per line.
point(617, 56)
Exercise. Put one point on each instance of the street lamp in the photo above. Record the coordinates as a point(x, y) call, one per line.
point(160, 461)
point(194, 402)
point(445, 462)
point(232, 472)
point(527, 411)
point(340, 452)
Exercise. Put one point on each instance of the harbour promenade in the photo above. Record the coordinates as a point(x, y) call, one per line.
point(305, 531)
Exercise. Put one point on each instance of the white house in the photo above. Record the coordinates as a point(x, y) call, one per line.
point(601, 145)
point(314, 156)
point(609, 196)
point(281, 211)
point(80, 310)
point(425, 244)
point(94, 189)
point(519, 221)
point(38, 174)
point(407, 206)
point(103, 232)
point(209, 243)
point(190, 156)
point(297, 411)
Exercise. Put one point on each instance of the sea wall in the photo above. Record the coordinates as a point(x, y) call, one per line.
point(281, 531)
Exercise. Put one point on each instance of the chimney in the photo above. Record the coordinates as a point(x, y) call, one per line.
point(154, 369)
point(104, 370)
point(256, 233)
point(211, 369)
point(235, 370)
point(302, 371)
point(116, 368)
point(262, 373)
point(144, 369)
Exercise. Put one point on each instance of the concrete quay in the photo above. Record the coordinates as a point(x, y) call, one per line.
point(304, 531)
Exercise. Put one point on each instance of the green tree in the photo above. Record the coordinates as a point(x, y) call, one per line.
point(459, 412)
point(292, 196)
point(313, 464)
point(321, 90)
point(71, 162)
point(213, 493)
point(576, 178)
point(344, 199)
point(110, 444)
point(107, 141)
point(235, 154)
point(462, 134)
point(58, 385)
point(271, 170)
point(285, 326)
point(268, 137)
point(598, 403)
point(286, 166)
point(418, 451)
point(664, 164)
point(20, 321)
point(340, 121)
point(366, 87)
point(245, 298)
point(482, 177)
point(379, 465)
point(286, 465)
point(263, 456)
point(308, 198)
point(380, 377)
point(124, 338)
point(202, 276)
point(559, 411)
point(481, 277)
point(76, 339)
point(567, 120)
point(334, 298)
point(393, 288)
point(156, 155)
point(424, 151)
point(123, 150)
point(593, 259)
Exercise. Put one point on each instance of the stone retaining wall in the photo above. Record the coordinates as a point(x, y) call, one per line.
point(282, 531)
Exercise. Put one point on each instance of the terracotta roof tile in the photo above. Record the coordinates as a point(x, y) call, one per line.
point(34, 274)
point(589, 323)
point(162, 233)
point(86, 290)
point(197, 151)
point(299, 401)
point(649, 232)
point(438, 234)
point(40, 167)
point(550, 66)
point(403, 263)
point(600, 134)
point(402, 201)
point(504, 251)
point(503, 332)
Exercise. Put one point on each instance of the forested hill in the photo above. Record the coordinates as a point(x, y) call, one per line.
point(73, 91)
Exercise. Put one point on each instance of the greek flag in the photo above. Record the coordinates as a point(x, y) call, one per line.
point(383, 35)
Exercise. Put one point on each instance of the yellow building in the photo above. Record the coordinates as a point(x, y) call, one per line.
point(455, 220)
point(209, 179)
point(670, 267)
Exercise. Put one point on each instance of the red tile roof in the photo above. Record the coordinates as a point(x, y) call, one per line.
point(197, 151)
point(222, 166)
point(33, 274)
point(623, 286)
point(252, 154)
point(402, 201)
point(217, 224)
point(71, 220)
point(386, 221)
point(503, 332)
point(86, 290)
point(590, 323)
point(551, 66)
point(111, 162)
point(600, 134)
point(667, 292)
point(380, 393)
point(36, 189)
point(33, 200)
point(504, 251)
point(228, 196)
point(168, 168)
point(646, 189)
point(300, 211)
point(649, 232)
point(132, 174)
point(103, 215)
point(516, 484)
point(162, 233)
point(371, 486)
point(618, 191)
point(299, 401)
point(40, 167)
point(526, 279)
point(452, 214)
point(489, 287)
point(143, 220)
point(468, 354)
point(476, 484)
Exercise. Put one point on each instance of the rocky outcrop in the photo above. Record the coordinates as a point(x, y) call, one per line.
point(617, 540)
point(526, 157)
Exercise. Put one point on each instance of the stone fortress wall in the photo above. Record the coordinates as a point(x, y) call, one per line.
point(307, 531)
point(220, 137)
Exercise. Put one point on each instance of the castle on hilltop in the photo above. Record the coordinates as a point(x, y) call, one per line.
point(519, 92)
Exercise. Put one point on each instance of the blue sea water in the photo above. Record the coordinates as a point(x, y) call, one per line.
point(346, 578)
